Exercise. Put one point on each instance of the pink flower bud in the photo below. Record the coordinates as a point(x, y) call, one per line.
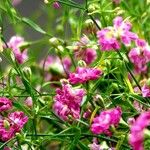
point(29, 102)
point(56, 5)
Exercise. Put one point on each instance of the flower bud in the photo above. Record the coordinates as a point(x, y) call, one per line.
point(46, 1)
point(54, 41)
point(64, 81)
point(56, 5)
point(82, 63)
point(6, 124)
point(29, 102)
point(27, 72)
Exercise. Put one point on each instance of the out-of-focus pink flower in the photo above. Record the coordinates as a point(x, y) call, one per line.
point(16, 2)
point(83, 75)
point(87, 114)
point(82, 51)
point(140, 56)
point(136, 137)
point(94, 146)
point(116, 1)
point(56, 5)
point(14, 43)
point(146, 91)
point(67, 63)
point(11, 125)
point(110, 37)
point(7, 148)
point(130, 121)
point(67, 102)
point(90, 55)
point(102, 123)
point(29, 102)
point(54, 63)
point(5, 104)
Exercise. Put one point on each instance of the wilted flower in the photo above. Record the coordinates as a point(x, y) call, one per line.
point(5, 104)
point(102, 123)
point(14, 43)
point(82, 51)
point(67, 101)
point(84, 74)
point(136, 137)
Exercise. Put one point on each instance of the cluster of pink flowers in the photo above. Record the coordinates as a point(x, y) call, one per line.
point(83, 52)
point(140, 56)
point(14, 43)
point(13, 123)
point(84, 74)
point(67, 101)
point(110, 37)
point(136, 137)
point(102, 123)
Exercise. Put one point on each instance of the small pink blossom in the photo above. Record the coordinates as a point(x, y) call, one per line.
point(146, 91)
point(14, 43)
point(56, 5)
point(16, 2)
point(136, 137)
point(102, 123)
point(29, 102)
point(111, 37)
point(83, 75)
point(11, 125)
point(67, 101)
point(116, 1)
point(5, 104)
point(140, 56)
point(18, 120)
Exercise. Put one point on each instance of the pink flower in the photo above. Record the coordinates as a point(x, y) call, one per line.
point(56, 5)
point(5, 104)
point(67, 63)
point(14, 43)
point(29, 102)
point(110, 37)
point(102, 123)
point(90, 55)
point(18, 120)
point(67, 102)
point(140, 56)
point(107, 39)
point(146, 91)
point(83, 75)
point(16, 2)
point(54, 63)
point(136, 137)
point(116, 1)
point(11, 125)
